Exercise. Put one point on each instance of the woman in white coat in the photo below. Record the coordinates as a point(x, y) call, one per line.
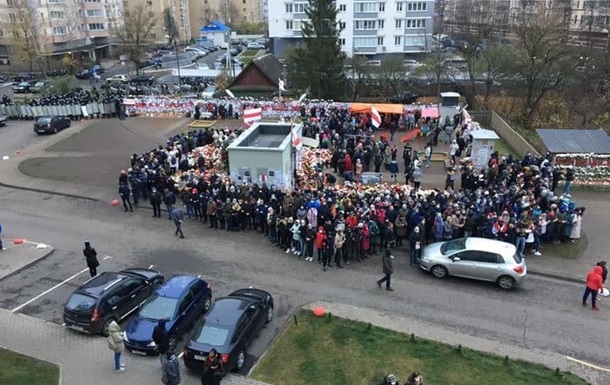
point(577, 226)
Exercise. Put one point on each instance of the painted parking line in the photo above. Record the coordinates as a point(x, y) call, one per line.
point(592, 366)
point(53, 288)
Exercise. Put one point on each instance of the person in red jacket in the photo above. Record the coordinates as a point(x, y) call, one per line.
point(320, 241)
point(594, 285)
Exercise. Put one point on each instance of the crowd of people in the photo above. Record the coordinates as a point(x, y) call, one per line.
point(332, 218)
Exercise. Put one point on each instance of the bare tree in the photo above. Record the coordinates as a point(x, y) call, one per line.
point(389, 78)
point(495, 66)
point(24, 29)
point(135, 33)
point(543, 61)
point(169, 23)
point(359, 74)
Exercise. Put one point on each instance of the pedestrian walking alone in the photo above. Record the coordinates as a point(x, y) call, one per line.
point(177, 215)
point(160, 337)
point(171, 369)
point(125, 193)
point(156, 198)
point(388, 270)
point(1, 246)
point(115, 343)
point(91, 258)
point(595, 284)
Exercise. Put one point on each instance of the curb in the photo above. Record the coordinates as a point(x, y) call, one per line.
point(279, 332)
point(556, 276)
point(45, 256)
point(67, 195)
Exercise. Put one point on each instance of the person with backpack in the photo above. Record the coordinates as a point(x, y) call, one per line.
point(91, 258)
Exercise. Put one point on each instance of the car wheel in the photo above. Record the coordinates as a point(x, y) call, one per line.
point(439, 271)
point(241, 360)
point(269, 314)
point(69, 123)
point(506, 282)
point(105, 327)
point(207, 304)
point(172, 342)
point(55, 130)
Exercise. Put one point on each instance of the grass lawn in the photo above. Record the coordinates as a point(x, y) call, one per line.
point(250, 52)
point(567, 250)
point(16, 369)
point(504, 148)
point(319, 351)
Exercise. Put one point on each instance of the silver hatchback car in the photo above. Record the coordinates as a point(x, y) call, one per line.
point(475, 258)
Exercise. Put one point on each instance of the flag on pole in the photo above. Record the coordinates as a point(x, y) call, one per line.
point(228, 92)
point(252, 115)
point(375, 117)
point(280, 84)
point(296, 139)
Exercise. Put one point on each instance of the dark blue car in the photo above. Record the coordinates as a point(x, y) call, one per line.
point(180, 300)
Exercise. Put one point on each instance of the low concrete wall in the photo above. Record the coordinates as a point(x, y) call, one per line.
point(513, 138)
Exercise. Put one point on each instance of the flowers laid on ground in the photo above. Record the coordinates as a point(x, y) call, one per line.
point(589, 169)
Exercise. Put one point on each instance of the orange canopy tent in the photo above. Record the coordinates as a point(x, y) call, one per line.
point(362, 108)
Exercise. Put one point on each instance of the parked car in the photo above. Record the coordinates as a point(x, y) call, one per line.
point(411, 64)
point(143, 80)
point(476, 258)
point(234, 51)
point(3, 79)
point(199, 51)
point(117, 79)
point(406, 97)
point(51, 124)
point(87, 73)
point(107, 297)
point(229, 327)
point(3, 119)
point(180, 301)
point(38, 86)
point(255, 45)
point(22, 77)
point(22, 87)
point(209, 92)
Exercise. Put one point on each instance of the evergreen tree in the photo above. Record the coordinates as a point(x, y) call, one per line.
point(317, 64)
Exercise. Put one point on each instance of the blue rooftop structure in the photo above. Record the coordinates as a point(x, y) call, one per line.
point(214, 26)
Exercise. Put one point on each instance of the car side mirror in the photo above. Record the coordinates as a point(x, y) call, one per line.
point(456, 259)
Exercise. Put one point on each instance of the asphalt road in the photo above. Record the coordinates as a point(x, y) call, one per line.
point(543, 314)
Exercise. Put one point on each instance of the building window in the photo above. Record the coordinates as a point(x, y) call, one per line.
point(56, 1)
point(398, 23)
point(342, 41)
point(300, 8)
point(59, 31)
point(364, 24)
point(380, 24)
point(289, 25)
point(365, 7)
point(95, 26)
point(93, 1)
point(94, 13)
point(415, 40)
point(365, 42)
point(288, 8)
point(416, 23)
point(380, 40)
point(399, 7)
point(381, 7)
point(149, 3)
point(342, 8)
point(57, 15)
point(397, 40)
point(419, 6)
point(9, 3)
point(342, 25)
point(12, 18)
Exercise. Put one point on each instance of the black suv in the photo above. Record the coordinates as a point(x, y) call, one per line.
point(107, 297)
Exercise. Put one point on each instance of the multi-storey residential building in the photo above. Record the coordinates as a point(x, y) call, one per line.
point(374, 28)
point(586, 21)
point(227, 11)
point(179, 11)
point(82, 28)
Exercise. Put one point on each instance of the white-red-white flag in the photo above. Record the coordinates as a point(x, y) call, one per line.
point(252, 115)
point(296, 139)
point(375, 117)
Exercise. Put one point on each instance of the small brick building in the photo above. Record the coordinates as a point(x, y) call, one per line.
point(260, 75)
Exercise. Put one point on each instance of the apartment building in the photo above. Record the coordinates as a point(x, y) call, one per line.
point(227, 11)
point(587, 21)
point(179, 11)
point(374, 28)
point(81, 28)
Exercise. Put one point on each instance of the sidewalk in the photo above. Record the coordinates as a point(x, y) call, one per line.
point(436, 333)
point(84, 359)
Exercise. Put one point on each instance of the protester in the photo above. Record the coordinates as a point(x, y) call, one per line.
point(177, 215)
point(388, 270)
point(160, 337)
point(594, 285)
point(213, 371)
point(1, 245)
point(171, 369)
point(415, 379)
point(115, 343)
point(91, 258)
point(390, 379)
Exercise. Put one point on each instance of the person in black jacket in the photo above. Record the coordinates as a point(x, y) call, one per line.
point(155, 201)
point(161, 338)
point(124, 193)
point(170, 200)
point(91, 258)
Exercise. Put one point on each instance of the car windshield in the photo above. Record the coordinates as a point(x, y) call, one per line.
point(452, 246)
point(517, 257)
point(212, 334)
point(43, 120)
point(24, 84)
point(210, 89)
point(158, 307)
point(80, 302)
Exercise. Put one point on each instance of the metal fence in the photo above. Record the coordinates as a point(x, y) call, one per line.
point(75, 111)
